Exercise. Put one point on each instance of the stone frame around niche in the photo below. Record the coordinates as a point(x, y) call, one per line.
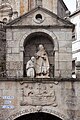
point(56, 48)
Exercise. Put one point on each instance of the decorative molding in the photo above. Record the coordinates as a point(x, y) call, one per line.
point(34, 110)
point(39, 21)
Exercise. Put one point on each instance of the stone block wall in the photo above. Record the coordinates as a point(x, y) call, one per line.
point(2, 48)
point(61, 9)
point(62, 46)
point(59, 97)
point(65, 52)
point(20, 7)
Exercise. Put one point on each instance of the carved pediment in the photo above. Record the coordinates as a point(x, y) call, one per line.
point(39, 17)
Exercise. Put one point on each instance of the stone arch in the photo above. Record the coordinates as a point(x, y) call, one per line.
point(31, 45)
point(39, 116)
point(53, 36)
point(56, 47)
point(30, 110)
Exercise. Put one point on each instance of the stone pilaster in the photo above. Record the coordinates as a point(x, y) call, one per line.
point(78, 69)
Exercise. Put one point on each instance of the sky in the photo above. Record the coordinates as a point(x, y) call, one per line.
point(71, 4)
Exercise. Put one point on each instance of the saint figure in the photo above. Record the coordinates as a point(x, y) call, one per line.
point(30, 67)
point(42, 63)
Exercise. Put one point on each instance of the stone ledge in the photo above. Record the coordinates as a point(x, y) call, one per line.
point(37, 26)
point(41, 80)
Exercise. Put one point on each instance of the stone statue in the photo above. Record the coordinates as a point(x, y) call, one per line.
point(30, 67)
point(42, 63)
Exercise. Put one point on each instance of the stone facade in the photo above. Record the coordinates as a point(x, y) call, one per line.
point(2, 49)
point(19, 7)
point(56, 96)
point(76, 39)
point(27, 27)
point(20, 97)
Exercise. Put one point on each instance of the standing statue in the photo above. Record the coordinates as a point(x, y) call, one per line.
point(42, 63)
point(30, 67)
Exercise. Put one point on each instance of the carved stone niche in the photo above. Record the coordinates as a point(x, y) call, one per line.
point(38, 94)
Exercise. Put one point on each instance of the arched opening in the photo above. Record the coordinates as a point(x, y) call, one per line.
point(31, 44)
point(38, 116)
point(39, 16)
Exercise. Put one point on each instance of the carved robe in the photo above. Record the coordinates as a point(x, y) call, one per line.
point(30, 68)
point(42, 64)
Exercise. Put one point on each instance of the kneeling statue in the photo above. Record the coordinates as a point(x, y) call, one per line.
point(30, 67)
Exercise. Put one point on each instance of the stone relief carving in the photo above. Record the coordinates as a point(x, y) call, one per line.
point(38, 65)
point(38, 94)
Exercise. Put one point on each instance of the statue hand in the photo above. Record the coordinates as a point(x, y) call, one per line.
point(36, 56)
point(44, 58)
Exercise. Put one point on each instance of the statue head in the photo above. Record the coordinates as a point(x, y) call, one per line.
point(32, 58)
point(41, 47)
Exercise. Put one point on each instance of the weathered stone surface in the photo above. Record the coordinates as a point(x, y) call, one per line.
point(9, 34)
point(9, 50)
point(13, 57)
point(66, 73)
point(15, 50)
point(2, 48)
point(59, 97)
point(14, 73)
point(64, 54)
point(15, 65)
point(40, 96)
point(78, 69)
point(65, 57)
